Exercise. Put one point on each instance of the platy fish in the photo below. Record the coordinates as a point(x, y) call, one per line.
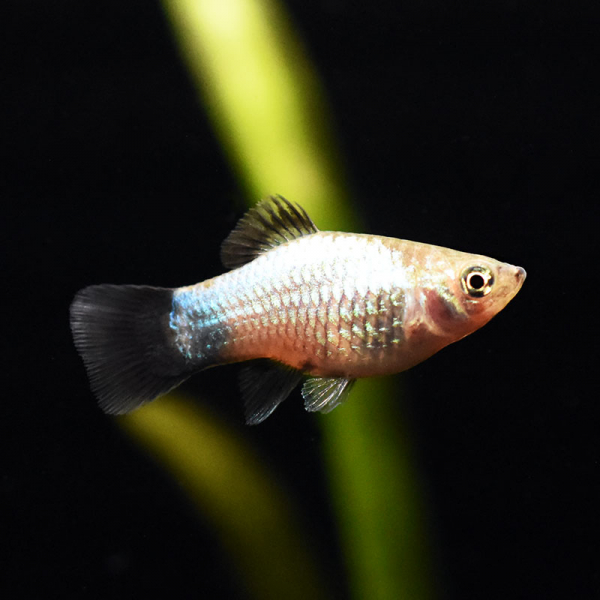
point(300, 304)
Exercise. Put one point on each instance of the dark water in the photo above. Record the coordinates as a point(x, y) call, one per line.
point(468, 128)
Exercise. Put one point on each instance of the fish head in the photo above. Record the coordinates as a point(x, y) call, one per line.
point(473, 289)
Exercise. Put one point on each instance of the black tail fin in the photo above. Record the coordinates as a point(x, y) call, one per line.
point(122, 333)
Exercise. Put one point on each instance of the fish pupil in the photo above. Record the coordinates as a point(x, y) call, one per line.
point(476, 281)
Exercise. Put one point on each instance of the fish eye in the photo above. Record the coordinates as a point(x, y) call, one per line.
point(477, 281)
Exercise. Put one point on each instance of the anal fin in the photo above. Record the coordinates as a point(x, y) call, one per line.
point(325, 393)
point(265, 384)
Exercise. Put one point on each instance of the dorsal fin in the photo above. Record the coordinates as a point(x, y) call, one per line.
point(273, 221)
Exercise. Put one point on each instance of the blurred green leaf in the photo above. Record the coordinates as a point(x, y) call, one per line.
point(254, 519)
point(264, 99)
point(270, 116)
point(377, 495)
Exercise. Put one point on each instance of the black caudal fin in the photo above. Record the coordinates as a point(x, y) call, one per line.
point(122, 333)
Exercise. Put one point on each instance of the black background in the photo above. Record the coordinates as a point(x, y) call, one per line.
point(468, 127)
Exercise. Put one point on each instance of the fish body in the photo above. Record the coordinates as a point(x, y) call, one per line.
point(298, 303)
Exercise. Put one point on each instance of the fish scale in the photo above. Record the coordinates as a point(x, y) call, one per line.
point(337, 329)
point(298, 303)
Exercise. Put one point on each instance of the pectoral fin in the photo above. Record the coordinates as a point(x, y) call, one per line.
point(325, 393)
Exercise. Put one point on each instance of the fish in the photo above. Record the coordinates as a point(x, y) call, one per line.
point(297, 305)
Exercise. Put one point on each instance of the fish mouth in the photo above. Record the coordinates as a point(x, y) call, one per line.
point(511, 280)
point(520, 275)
